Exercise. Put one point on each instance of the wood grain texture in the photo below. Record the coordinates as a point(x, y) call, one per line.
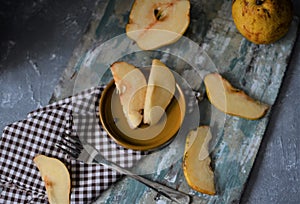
point(256, 69)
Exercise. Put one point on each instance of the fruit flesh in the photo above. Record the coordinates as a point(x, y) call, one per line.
point(155, 23)
point(56, 179)
point(196, 161)
point(160, 91)
point(230, 100)
point(131, 85)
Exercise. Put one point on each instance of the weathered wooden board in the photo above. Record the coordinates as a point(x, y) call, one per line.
point(256, 69)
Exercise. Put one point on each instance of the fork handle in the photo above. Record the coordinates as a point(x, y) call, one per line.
point(168, 192)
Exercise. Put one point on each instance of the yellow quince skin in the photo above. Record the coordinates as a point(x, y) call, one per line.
point(262, 21)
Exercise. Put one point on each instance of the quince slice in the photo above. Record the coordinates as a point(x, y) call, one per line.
point(160, 91)
point(155, 23)
point(231, 100)
point(196, 161)
point(131, 85)
point(56, 178)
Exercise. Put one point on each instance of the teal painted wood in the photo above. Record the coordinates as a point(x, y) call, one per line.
point(256, 69)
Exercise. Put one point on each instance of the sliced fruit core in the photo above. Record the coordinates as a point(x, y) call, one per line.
point(159, 14)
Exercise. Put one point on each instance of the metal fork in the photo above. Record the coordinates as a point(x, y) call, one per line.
point(87, 153)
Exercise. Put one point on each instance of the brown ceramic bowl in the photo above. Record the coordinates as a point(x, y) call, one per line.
point(144, 137)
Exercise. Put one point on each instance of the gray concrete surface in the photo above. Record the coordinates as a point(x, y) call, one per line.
point(37, 38)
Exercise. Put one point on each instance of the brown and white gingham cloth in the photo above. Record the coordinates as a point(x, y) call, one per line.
point(38, 134)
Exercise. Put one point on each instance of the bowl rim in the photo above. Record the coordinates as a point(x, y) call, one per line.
point(147, 147)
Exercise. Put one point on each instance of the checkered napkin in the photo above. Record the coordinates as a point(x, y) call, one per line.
point(38, 134)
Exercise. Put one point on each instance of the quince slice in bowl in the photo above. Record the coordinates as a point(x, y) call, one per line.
point(131, 85)
point(160, 91)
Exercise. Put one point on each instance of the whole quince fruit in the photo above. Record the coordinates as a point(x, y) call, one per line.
point(262, 21)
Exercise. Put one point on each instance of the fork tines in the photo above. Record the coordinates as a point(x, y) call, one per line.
point(71, 145)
